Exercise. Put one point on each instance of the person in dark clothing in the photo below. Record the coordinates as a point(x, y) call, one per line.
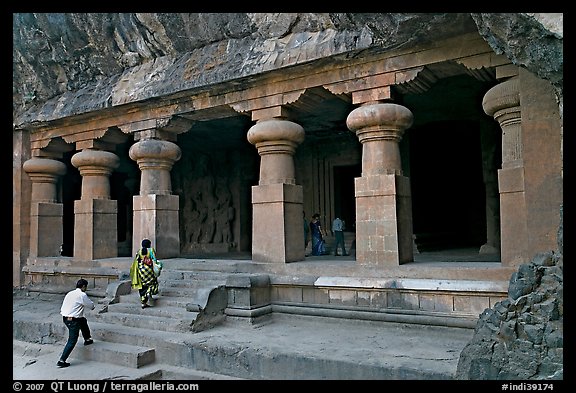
point(317, 234)
point(72, 312)
point(306, 231)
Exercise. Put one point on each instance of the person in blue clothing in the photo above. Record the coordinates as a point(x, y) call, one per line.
point(317, 234)
point(306, 231)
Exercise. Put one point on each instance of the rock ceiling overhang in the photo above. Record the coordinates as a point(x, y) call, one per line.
point(523, 38)
point(320, 93)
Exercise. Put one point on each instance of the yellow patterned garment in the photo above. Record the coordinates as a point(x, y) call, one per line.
point(146, 278)
point(134, 276)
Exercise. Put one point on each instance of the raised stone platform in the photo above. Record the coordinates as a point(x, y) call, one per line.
point(289, 347)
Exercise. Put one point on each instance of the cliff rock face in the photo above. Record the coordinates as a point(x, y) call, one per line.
point(522, 337)
point(532, 40)
point(83, 56)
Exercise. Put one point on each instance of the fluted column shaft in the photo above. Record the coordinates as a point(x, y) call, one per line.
point(503, 103)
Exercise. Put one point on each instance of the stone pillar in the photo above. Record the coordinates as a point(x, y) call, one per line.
point(95, 215)
point(155, 209)
point(503, 103)
point(46, 226)
point(277, 230)
point(489, 174)
point(383, 200)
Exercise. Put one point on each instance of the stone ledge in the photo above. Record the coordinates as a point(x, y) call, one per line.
point(392, 283)
point(400, 316)
point(72, 270)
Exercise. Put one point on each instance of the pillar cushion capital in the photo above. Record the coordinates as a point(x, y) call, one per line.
point(275, 130)
point(44, 166)
point(155, 149)
point(95, 159)
point(44, 174)
point(502, 96)
point(381, 116)
point(276, 141)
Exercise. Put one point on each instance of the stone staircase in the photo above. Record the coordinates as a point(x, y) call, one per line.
point(125, 355)
point(187, 302)
point(151, 340)
point(200, 300)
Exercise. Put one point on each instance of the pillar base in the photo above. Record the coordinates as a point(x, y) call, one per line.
point(95, 229)
point(513, 224)
point(156, 218)
point(46, 233)
point(384, 234)
point(277, 216)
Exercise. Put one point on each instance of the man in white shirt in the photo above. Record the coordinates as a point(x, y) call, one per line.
point(72, 311)
point(338, 230)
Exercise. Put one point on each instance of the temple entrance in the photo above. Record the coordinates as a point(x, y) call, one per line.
point(451, 155)
point(448, 197)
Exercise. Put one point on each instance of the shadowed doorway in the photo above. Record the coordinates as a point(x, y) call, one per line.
point(344, 198)
point(448, 196)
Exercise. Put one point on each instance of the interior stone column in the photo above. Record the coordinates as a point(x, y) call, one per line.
point(490, 178)
point(277, 200)
point(95, 214)
point(155, 209)
point(503, 103)
point(383, 198)
point(46, 226)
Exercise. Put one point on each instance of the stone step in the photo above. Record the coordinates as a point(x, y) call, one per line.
point(159, 309)
point(151, 319)
point(169, 273)
point(171, 373)
point(191, 283)
point(195, 294)
point(171, 301)
point(213, 266)
point(33, 361)
point(180, 289)
point(170, 346)
point(115, 353)
point(60, 289)
point(182, 296)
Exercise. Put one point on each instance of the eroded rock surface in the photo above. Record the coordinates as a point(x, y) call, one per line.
point(98, 60)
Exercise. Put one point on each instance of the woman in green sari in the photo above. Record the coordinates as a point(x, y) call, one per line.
point(142, 273)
